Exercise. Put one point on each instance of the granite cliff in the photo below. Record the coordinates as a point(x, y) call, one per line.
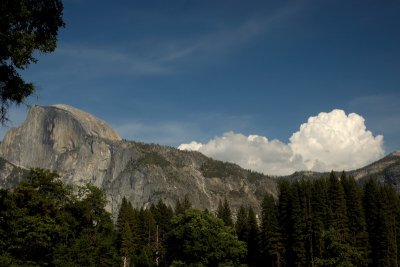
point(84, 149)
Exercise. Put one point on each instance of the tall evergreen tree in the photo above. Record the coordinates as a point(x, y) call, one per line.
point(320, 215)
point(284, 218)
point(271, 248)
point(241, 224)
point(371, 200)
point(162, 215)
point(253, 249)
point(241, 227)
point(224, 212)
point(127, 238)
point(293, 221)
point(337, 207)
point(358, 236)
point(305, 199)
point(298, 227)
point(182, 206)
point(388, 216)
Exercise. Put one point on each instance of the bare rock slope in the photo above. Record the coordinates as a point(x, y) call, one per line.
point(84, 149)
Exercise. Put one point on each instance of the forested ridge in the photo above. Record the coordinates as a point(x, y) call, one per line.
point(326, 222)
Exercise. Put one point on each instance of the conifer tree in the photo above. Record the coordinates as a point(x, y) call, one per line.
point(253, 249)
point(358, 236)
point(337, 207)
point(224, 212)
point(241, 224)
point(284, 218)
point(389, 215)
point(126, 232)
point(320, 215)
point(182, 206)
point(298, 227)
point(162, 215)
point(271, 248)
point(372, 204)
point(127, 246)
point(241, 227)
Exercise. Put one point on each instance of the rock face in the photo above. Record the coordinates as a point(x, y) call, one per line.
point(386, 170)
point(84, 149)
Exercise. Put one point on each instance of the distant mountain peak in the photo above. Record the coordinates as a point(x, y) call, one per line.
point(84, 149)
point(396, 153)
point(94, 126)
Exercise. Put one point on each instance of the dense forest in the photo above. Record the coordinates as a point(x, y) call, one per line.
point(325, 222)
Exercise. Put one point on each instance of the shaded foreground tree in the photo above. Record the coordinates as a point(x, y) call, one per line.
point(44, 223)
point(198, 238)
point(26, 27)
point(337, 253)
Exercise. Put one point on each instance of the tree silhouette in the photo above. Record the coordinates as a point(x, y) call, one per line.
point(26, 27)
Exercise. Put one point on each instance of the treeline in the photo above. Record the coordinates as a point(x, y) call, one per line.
point(161, 236)
point(325, 222)
point(329, 222)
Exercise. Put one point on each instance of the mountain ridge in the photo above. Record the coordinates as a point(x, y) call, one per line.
point(84, 149)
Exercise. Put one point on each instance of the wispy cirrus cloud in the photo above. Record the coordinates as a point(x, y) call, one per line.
point(173, 132)
point(164, 133)
point(226, 39)
point(159, 55)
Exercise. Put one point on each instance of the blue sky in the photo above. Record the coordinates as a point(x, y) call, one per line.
point(171, 72)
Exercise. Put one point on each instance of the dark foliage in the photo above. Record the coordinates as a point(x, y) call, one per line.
point(26, 27)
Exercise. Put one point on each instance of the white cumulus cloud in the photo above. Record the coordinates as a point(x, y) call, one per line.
point(329, 141)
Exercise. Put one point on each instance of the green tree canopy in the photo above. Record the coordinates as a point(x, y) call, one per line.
point(199, 238)
point(44, 223)
point(26, 26)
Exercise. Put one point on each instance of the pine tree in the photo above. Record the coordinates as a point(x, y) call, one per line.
point(284, 218)
point(298, 227)
point(320, 215)
point(241, 224)
point(224, 212)
point(305, 196)
point(127, 246)
point(371, 201)
point(162, 215)
point(253, 249)
point(126, 235)
point(181, 207)
point(389, 216)
point(358, 236)
point(337, 207)
point(271, 248)
point(146, 228)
